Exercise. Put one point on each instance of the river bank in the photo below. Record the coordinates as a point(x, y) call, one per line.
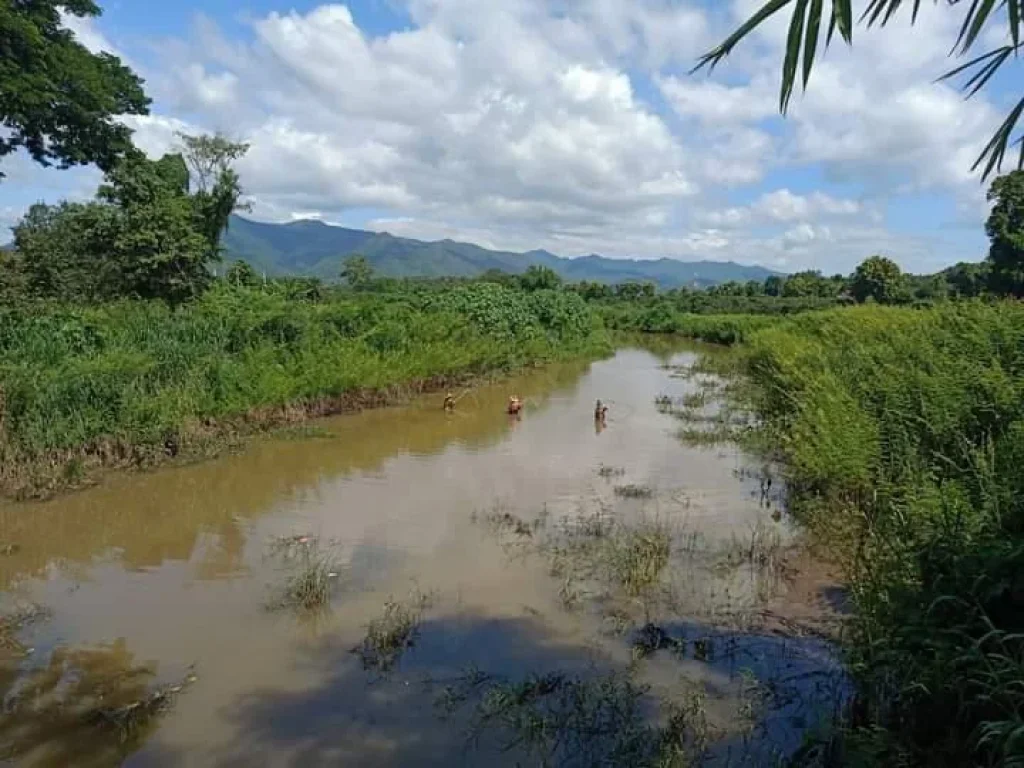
point(136, 384)
point(901, 435)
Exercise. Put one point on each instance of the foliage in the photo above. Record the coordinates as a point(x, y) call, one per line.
point(143, 236)
point(141, 373)
point(357, 272)
point(879, 279)
point(538, 278)
point(805, 28)
point(903, 429)
point(216, 187)
point(242, 273)
point(1005, 228)
point(58, 101)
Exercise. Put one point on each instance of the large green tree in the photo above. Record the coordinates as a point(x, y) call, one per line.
point(880, 279)
point(145, 235)
point(805, 31)
point(58, 100)
point(1005, 229)
point(357, 271)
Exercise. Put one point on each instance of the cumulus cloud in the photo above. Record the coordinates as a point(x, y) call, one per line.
point(536, 123)
point(782, 206)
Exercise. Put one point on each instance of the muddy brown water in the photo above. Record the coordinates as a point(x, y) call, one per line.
point(151, 577)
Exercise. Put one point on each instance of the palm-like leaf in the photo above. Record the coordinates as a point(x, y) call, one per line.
point(802, 44)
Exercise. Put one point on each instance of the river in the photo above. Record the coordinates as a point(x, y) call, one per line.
point(172, 578)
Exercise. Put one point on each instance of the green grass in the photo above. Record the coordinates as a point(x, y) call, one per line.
point(903, 431)
point(393, 632)
point(134, 382)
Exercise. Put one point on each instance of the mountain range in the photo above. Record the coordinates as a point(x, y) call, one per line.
point(312, 248)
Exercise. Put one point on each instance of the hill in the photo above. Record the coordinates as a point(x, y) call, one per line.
point(312, 248)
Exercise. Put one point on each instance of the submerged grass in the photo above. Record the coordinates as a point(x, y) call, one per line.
point(393, 632)
point(570, 720)
point(311, 573)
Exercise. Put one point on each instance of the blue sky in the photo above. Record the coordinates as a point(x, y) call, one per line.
point(571, 126)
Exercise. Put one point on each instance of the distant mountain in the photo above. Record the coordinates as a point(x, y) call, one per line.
point(312, 248)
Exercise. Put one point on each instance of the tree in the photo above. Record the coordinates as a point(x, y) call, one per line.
point(967, 279)
point(357, 272)
point(143, 236)
point(215, 185)
point(804, 33)
point(58, 101)
point(241, 273)
point(537, 278)
point(1005, 229)
point(880, 279)
point(773, 286)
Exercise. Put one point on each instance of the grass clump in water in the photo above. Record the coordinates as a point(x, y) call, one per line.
point(638, 557)
point(13, 622)
point(393, 632)
point(634, 491)
point(311, 573)
point(608, 472)
point(568, 720)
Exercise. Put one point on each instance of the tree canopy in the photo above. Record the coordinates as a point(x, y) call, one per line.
point(879, 279)
point(1005, 228)
point(802, 43)
point(143, 236)
point(58, 100)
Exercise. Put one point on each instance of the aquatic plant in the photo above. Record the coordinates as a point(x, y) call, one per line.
point(311, 572)
point(389, 635)
point(634, 491)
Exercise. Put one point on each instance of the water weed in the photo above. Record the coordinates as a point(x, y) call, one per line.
point(393, 632)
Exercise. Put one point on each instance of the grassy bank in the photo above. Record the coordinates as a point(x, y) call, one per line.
point(904, 435)
point(135, 382)
point(661, 318)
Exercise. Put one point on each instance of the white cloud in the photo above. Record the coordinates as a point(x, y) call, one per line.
point(782, 206)
point(540, 123)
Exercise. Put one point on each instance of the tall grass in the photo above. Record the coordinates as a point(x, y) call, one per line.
point(904, 434)
point(140, 374)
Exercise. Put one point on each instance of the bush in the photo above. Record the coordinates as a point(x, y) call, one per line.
point(904, 431)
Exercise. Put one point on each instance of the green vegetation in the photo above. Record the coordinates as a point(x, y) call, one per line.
point(805, 27)
point(130, 381)
point(312, 571)
point(903, 431)
point(390, 634)
point(559, 719)
point(59, 101)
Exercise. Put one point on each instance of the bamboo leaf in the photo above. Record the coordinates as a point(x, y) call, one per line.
point(980, 17)
point(1013, 10)
point(968, 65)
point(793, 40)
point(714, 56)
point(811, 41)
point(966, 25)
point(996, 147)
point(845, 13)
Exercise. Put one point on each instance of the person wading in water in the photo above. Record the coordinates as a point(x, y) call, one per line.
point(449, 402)
point(515, 405)
point(600, 412)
